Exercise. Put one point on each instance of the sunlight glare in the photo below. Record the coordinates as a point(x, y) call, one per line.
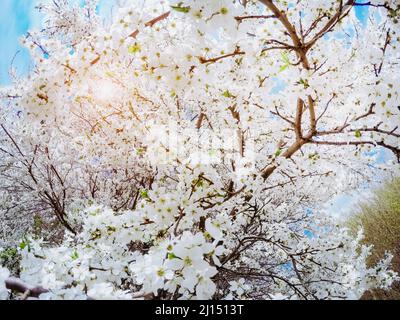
point(104, 91)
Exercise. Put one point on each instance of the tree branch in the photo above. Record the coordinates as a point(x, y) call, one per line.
point(18, 285)
point(332, 22)
point(213, 60)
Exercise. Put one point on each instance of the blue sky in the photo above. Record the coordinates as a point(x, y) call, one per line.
point(18, 16)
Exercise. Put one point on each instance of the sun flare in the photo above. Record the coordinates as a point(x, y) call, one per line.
point(104, 91)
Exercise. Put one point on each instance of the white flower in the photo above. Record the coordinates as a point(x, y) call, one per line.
point(205, 288)
point(278, 296)
point(216, 252)
point(239, 287)
point(106, 291)
point(64, 294)
point(189, 278)
point(214, 230)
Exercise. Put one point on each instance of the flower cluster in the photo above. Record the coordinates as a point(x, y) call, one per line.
point(111, 253)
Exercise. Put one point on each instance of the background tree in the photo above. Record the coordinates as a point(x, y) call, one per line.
point(380, 220)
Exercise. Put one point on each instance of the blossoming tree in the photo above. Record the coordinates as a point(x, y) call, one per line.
point(185, 149)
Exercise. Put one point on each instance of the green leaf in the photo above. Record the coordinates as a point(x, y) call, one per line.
point(278, 152)
point(285, 58)
point(357, 134)
point(25, 243)
point(283, 68)
point(227, 94)
point(8, 253)
point(144, 194)
point(180, 8)
point(171, 256)
point(74, 255)
point(286, 61)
